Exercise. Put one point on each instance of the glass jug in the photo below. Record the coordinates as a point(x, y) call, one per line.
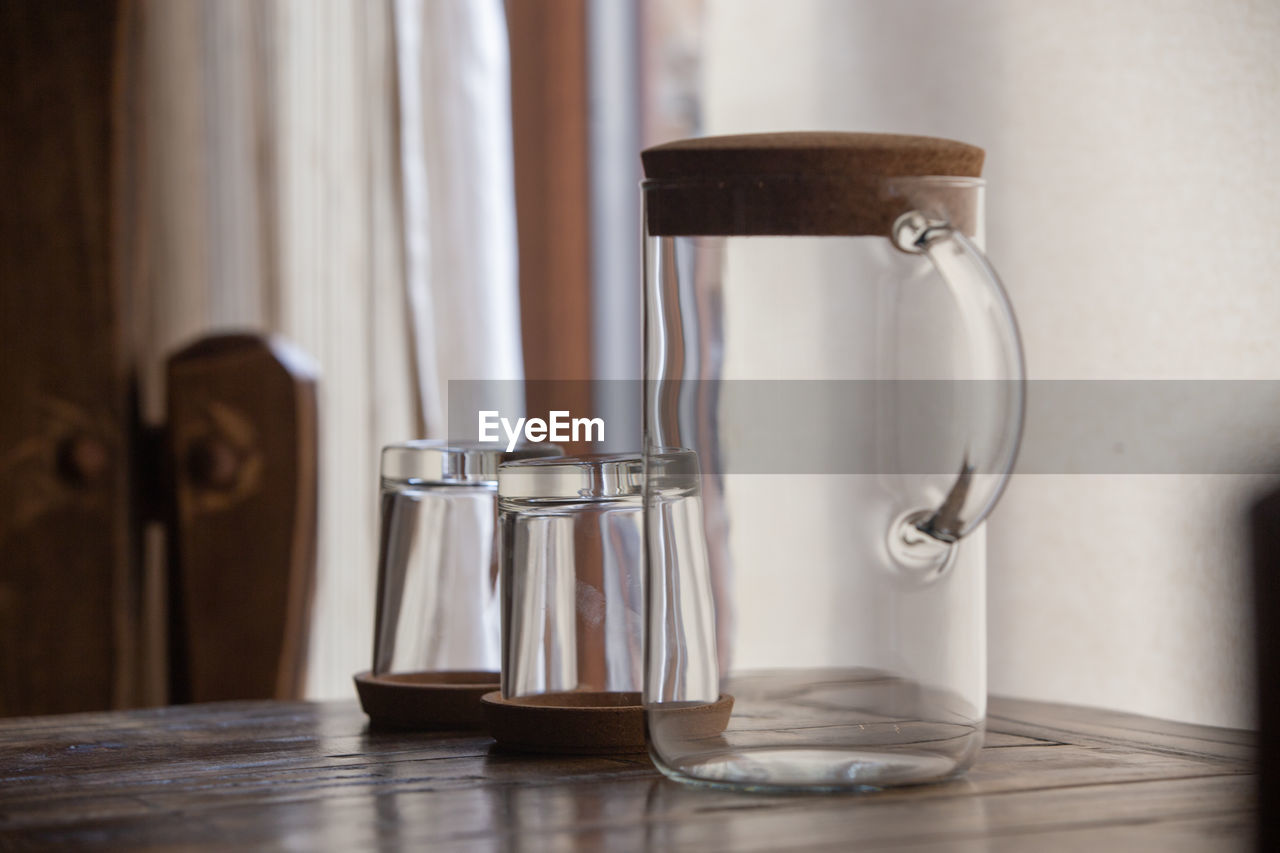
point(826, 340)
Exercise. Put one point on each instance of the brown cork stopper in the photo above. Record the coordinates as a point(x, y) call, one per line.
point(426, 701)
point(587, 723)
point(819, 183)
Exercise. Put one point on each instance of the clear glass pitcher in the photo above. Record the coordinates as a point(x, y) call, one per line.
point(826, 340)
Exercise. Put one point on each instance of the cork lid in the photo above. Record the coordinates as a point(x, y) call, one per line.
point(793, 183)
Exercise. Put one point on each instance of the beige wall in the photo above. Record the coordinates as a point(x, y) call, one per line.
point(1133, 184)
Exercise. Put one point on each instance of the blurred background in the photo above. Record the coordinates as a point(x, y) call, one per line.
point(414, 191)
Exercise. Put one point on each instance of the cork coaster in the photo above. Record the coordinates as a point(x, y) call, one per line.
point(584, 723)
point(425, 700)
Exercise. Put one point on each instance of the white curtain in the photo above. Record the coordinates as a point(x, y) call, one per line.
point(339, 172)
point(1133, 179)
point(455, 143)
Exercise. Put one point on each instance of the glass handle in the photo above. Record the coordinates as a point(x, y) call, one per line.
point(927, 536)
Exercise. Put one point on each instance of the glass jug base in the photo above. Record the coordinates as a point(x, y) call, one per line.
point(790, 769)
point(823, 729)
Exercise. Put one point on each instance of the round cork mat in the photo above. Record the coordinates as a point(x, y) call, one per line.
point(425, 700)
point(816, 183)
point(585, 723)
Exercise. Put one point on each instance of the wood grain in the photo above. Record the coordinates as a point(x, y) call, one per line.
point(315, 776)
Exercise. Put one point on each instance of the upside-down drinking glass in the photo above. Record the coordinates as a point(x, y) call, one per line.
point(438, 608)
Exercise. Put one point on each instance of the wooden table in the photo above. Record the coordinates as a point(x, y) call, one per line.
point(311, 775)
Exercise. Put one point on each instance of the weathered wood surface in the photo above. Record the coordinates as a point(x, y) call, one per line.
point(310, 776)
